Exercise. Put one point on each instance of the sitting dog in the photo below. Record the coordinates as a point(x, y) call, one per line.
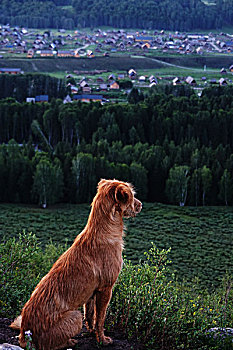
point(83, 276)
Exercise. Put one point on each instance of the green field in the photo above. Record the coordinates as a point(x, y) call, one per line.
point(201, 239)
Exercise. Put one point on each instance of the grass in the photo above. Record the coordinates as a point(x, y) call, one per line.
point(201, 238)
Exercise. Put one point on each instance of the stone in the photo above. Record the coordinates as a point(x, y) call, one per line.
point(6, 346)
point(220, 332)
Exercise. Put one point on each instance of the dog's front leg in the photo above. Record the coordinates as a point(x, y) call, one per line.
point(90, 313)
point(102, 300)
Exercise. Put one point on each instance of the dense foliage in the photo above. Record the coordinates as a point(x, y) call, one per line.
point(158, 14)
point(149, 306)
point(174, 146)
point(30, 85)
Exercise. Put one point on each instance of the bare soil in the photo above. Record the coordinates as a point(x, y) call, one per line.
point(86, 341)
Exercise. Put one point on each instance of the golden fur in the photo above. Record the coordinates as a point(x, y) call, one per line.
point(83, 276)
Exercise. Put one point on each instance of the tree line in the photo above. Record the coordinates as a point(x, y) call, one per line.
point(174, 146)
point(160, 14)
point(30, 85)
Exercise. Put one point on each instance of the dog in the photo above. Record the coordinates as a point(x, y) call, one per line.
point(83, 276)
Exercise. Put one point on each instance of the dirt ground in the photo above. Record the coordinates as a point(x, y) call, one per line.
point(86, 341)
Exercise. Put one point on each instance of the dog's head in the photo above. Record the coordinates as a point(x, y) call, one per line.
point(119, 197)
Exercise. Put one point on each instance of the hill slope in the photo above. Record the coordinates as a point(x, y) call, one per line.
point(158, 14)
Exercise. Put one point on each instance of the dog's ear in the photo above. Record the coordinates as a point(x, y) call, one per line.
point(122, 194)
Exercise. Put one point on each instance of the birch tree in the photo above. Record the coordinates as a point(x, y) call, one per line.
point(177, 184)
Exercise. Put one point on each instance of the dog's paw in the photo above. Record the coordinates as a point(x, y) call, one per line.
point(106, 341)
point(72, 342)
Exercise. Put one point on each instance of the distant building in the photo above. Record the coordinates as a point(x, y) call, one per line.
point(176, 81)
point(222, 82)
point(67, 99)
point(88, 98)
point(30, 99)
point(65, 53)
point(114, 85)
point(144, 39)
point(41, 98)
point(30, 53)
point(142, 79)
point(46, 53)
point(10, 71)
point(191, 81)
point(132, 74)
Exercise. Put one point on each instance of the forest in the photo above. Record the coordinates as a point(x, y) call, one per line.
point(174, 146)
point(179, 15)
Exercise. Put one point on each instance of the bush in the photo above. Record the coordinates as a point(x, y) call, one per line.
point(162, 314)
point(22, 264)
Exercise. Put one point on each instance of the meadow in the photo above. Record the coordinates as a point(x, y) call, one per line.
point(200, 238)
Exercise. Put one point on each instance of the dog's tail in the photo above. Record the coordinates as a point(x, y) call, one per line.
point(16, 324)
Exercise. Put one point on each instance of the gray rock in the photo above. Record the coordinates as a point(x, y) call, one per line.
point(219, 332)
point(6, 346)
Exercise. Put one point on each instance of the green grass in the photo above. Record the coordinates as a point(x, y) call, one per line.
point(201, 239)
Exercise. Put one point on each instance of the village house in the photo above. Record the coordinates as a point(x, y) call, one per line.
point(30, 53)
point(132, 74)
point(10, 71)
point(73, 89)
point(41, 98)
point(176, 81)
point(103, 87)
point(88, 98)
point(90, 54)
point(152, 79)
point(83, 84)
point(154, 83)
point(222, 82)
point(46, 53)
point(191, 81)
point(76, 53)
point(114, 85)
point(100, 80)
point(111, 77)
point(142, 79)
point(144, 39)
point(65, 53)
point(67, 99)
point(121, 76)
point(30, 100)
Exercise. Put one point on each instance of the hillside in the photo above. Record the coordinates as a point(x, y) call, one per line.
point(200, 238)
point(160, 14)
point(122, 63)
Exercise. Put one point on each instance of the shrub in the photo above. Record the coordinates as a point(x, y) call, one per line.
point(162, 314)
point(22, 264)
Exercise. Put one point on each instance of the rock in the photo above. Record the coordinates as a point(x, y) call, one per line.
point(219, 332)
point(6, 346)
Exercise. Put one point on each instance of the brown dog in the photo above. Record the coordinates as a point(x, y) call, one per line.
point(83, 275)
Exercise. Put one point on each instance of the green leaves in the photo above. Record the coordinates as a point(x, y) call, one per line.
point(48, 182)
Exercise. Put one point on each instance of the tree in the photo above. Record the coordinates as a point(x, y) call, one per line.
point(226, 187)
point(48, 182)
point(135, 96)
point(177, 184)
point(196, 174)
point(83, 170)
point(138, 177)
point(206, 178)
